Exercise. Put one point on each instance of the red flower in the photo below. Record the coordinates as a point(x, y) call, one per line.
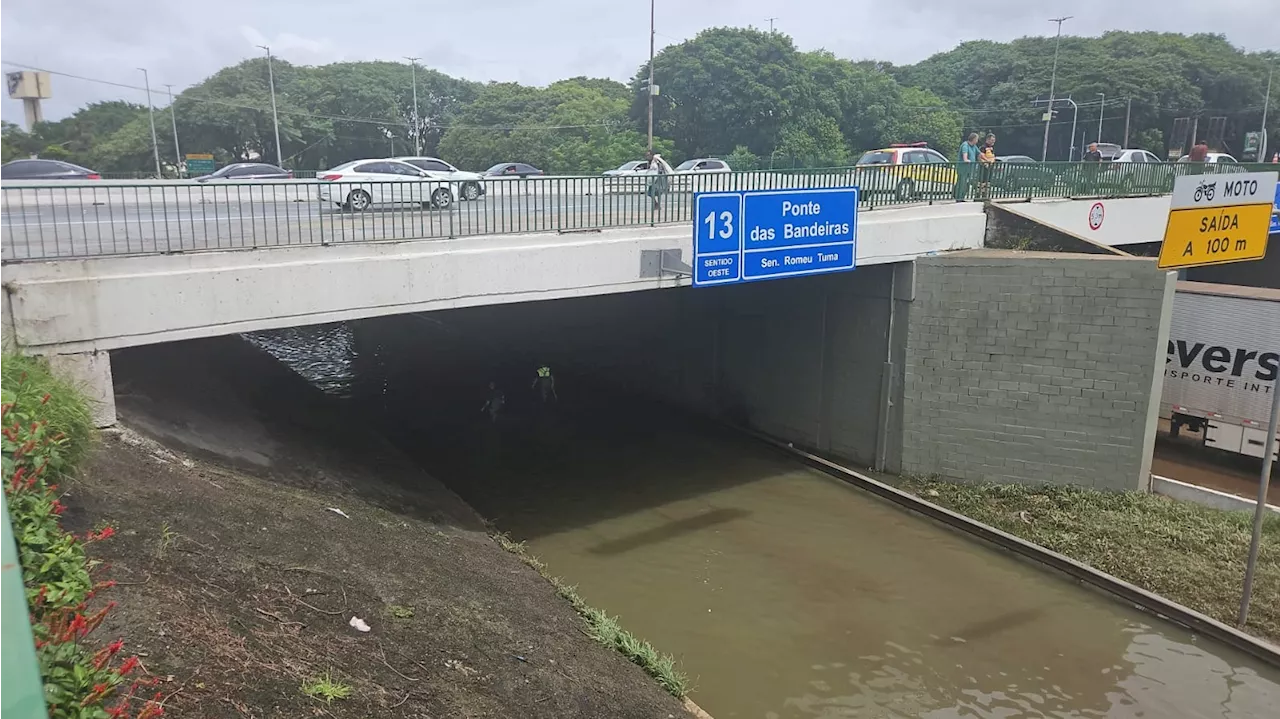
point(45, 398)
point(129, 665)
point(58, 507)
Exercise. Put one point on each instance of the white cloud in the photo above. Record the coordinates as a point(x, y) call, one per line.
point(534, 41)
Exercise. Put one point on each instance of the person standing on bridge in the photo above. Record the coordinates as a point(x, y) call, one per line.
point(658, 187)
point(545, 384)
point(986, 167)
point(965, 162)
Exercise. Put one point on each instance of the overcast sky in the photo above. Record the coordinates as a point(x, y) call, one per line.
point(530, 41)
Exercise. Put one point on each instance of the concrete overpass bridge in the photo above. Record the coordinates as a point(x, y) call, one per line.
point(829, 362)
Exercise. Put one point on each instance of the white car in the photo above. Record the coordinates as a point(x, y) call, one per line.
point(1219, 158)
point(360, 184)
point(702, 165)
point(470, 184)
point(630, 169)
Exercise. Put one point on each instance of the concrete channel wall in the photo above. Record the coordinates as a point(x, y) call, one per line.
point(1035, 368)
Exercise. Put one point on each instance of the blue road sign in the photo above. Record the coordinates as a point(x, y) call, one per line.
point(1275, 212)
point(769, 234)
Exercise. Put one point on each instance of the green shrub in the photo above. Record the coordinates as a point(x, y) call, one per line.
point(44, 430)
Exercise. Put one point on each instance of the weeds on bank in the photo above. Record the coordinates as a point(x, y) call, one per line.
point(400, 612)
point(606, 630)
point(326, 689)
point(167, 539)
point(44, 429)
point(1189, 553)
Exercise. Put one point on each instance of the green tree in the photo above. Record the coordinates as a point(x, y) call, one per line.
point(576, 126)
point(724, 88)
point(813, 140)
point(1166, 75)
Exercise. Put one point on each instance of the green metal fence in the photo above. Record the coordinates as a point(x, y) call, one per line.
point(88, 219)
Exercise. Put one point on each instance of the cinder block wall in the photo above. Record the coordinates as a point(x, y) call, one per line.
point(1035, 368)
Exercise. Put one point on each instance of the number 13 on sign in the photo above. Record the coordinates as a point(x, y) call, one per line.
point(726, 227)
point(719, 223)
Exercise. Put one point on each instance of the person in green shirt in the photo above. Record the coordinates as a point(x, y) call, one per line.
point(965, 162)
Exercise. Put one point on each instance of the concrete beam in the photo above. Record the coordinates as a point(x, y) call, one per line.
point(1117, 221)
point(91, 372)
point(86, 305)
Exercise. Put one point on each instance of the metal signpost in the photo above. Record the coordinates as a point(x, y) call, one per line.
point(1215, 219)
point(769, 234)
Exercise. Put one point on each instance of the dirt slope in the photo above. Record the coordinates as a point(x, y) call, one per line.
point(238, 582)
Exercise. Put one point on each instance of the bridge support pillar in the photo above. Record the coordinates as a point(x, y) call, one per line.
point(91, 372)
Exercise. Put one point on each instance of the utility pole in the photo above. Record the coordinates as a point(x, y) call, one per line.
point(771, 19)
point(1127, 112)
point(1266, 101)
point(151, 113)
point(1102, 112)
point(651, 35)
point(1053, 81)
point(1075, 115)
point(173, 116)
point(417, 145)
point(275, 118)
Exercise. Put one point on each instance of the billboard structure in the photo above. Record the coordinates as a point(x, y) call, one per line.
point(31, 87)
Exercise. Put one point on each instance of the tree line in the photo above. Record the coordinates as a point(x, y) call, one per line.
point(739, 93)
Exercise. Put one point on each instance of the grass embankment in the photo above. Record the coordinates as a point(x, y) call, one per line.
point(1188, 553)
point(47, 431)
point(605, 629)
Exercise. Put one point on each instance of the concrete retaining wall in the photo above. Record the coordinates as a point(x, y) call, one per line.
point(1035, 368)
point(800, 359)
point(1205, 495)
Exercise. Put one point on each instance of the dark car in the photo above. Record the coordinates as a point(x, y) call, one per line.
point(513, 169)
point(248, 171)
point(1018, 172)
point(46, 170)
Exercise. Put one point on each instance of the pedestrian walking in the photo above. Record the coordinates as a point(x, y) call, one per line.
point(986, 167)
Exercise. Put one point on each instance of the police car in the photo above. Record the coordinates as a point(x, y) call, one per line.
point(906, 171)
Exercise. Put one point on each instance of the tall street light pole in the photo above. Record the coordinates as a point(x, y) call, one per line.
point(275, 118)
point(151, 113)
point(651, 41)
point(413, 65)
point(1053, 81)
point(173, 116)
point(1102, 112)
point(1262, 150)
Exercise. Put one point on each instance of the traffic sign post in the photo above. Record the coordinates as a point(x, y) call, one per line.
point(770, 234)
point(200, 163)
point(1216, 219)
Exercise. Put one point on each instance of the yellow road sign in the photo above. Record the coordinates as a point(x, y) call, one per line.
point(1217, 218)
point(1215, 235)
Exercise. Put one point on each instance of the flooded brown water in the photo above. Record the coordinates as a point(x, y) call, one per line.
point(786, 593)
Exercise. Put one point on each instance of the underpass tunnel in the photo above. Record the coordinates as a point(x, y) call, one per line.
point(644, 381)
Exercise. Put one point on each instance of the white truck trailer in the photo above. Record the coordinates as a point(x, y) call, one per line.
point(1223, 357)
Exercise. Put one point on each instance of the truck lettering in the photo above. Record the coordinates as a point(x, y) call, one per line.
point(1218, 359)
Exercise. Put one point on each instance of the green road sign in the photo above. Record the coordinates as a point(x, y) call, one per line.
point(200, 164)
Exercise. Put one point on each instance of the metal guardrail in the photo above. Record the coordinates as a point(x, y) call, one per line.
point(40, 221)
